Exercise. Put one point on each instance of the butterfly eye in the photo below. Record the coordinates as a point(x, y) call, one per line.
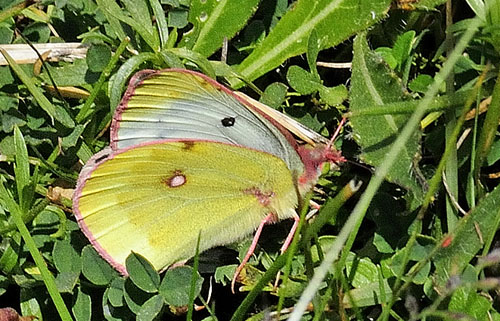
point(228, 121)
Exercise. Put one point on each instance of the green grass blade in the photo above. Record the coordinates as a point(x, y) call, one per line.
point(197, 58)
point(161, 22)
point(292, 250)
point(21, 169)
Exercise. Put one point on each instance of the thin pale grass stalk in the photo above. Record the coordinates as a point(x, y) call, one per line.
point(334, 65)
point(323, 217)
point(451, 169)
point(329, 211)
point(351, 227)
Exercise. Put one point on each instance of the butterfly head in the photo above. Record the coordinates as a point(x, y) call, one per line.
point(314, 159)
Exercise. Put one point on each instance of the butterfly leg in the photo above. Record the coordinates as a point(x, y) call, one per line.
point(269, 218)
point(287, 242)
point(315, 207)
point(289, 238)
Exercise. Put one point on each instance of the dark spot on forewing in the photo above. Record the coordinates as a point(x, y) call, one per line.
point(228, 121)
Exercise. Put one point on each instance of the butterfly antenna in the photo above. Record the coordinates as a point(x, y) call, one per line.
point(368, 168)
point(335, 135)
point(334, 155)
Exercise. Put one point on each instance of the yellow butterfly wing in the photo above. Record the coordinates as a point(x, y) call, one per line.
point(154, 199)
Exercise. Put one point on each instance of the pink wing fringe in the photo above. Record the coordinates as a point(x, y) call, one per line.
point(85, 174)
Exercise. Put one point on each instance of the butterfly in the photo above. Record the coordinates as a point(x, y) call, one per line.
point(190, 157)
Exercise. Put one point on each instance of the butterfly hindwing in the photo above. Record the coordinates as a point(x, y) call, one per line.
point(154, 199)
